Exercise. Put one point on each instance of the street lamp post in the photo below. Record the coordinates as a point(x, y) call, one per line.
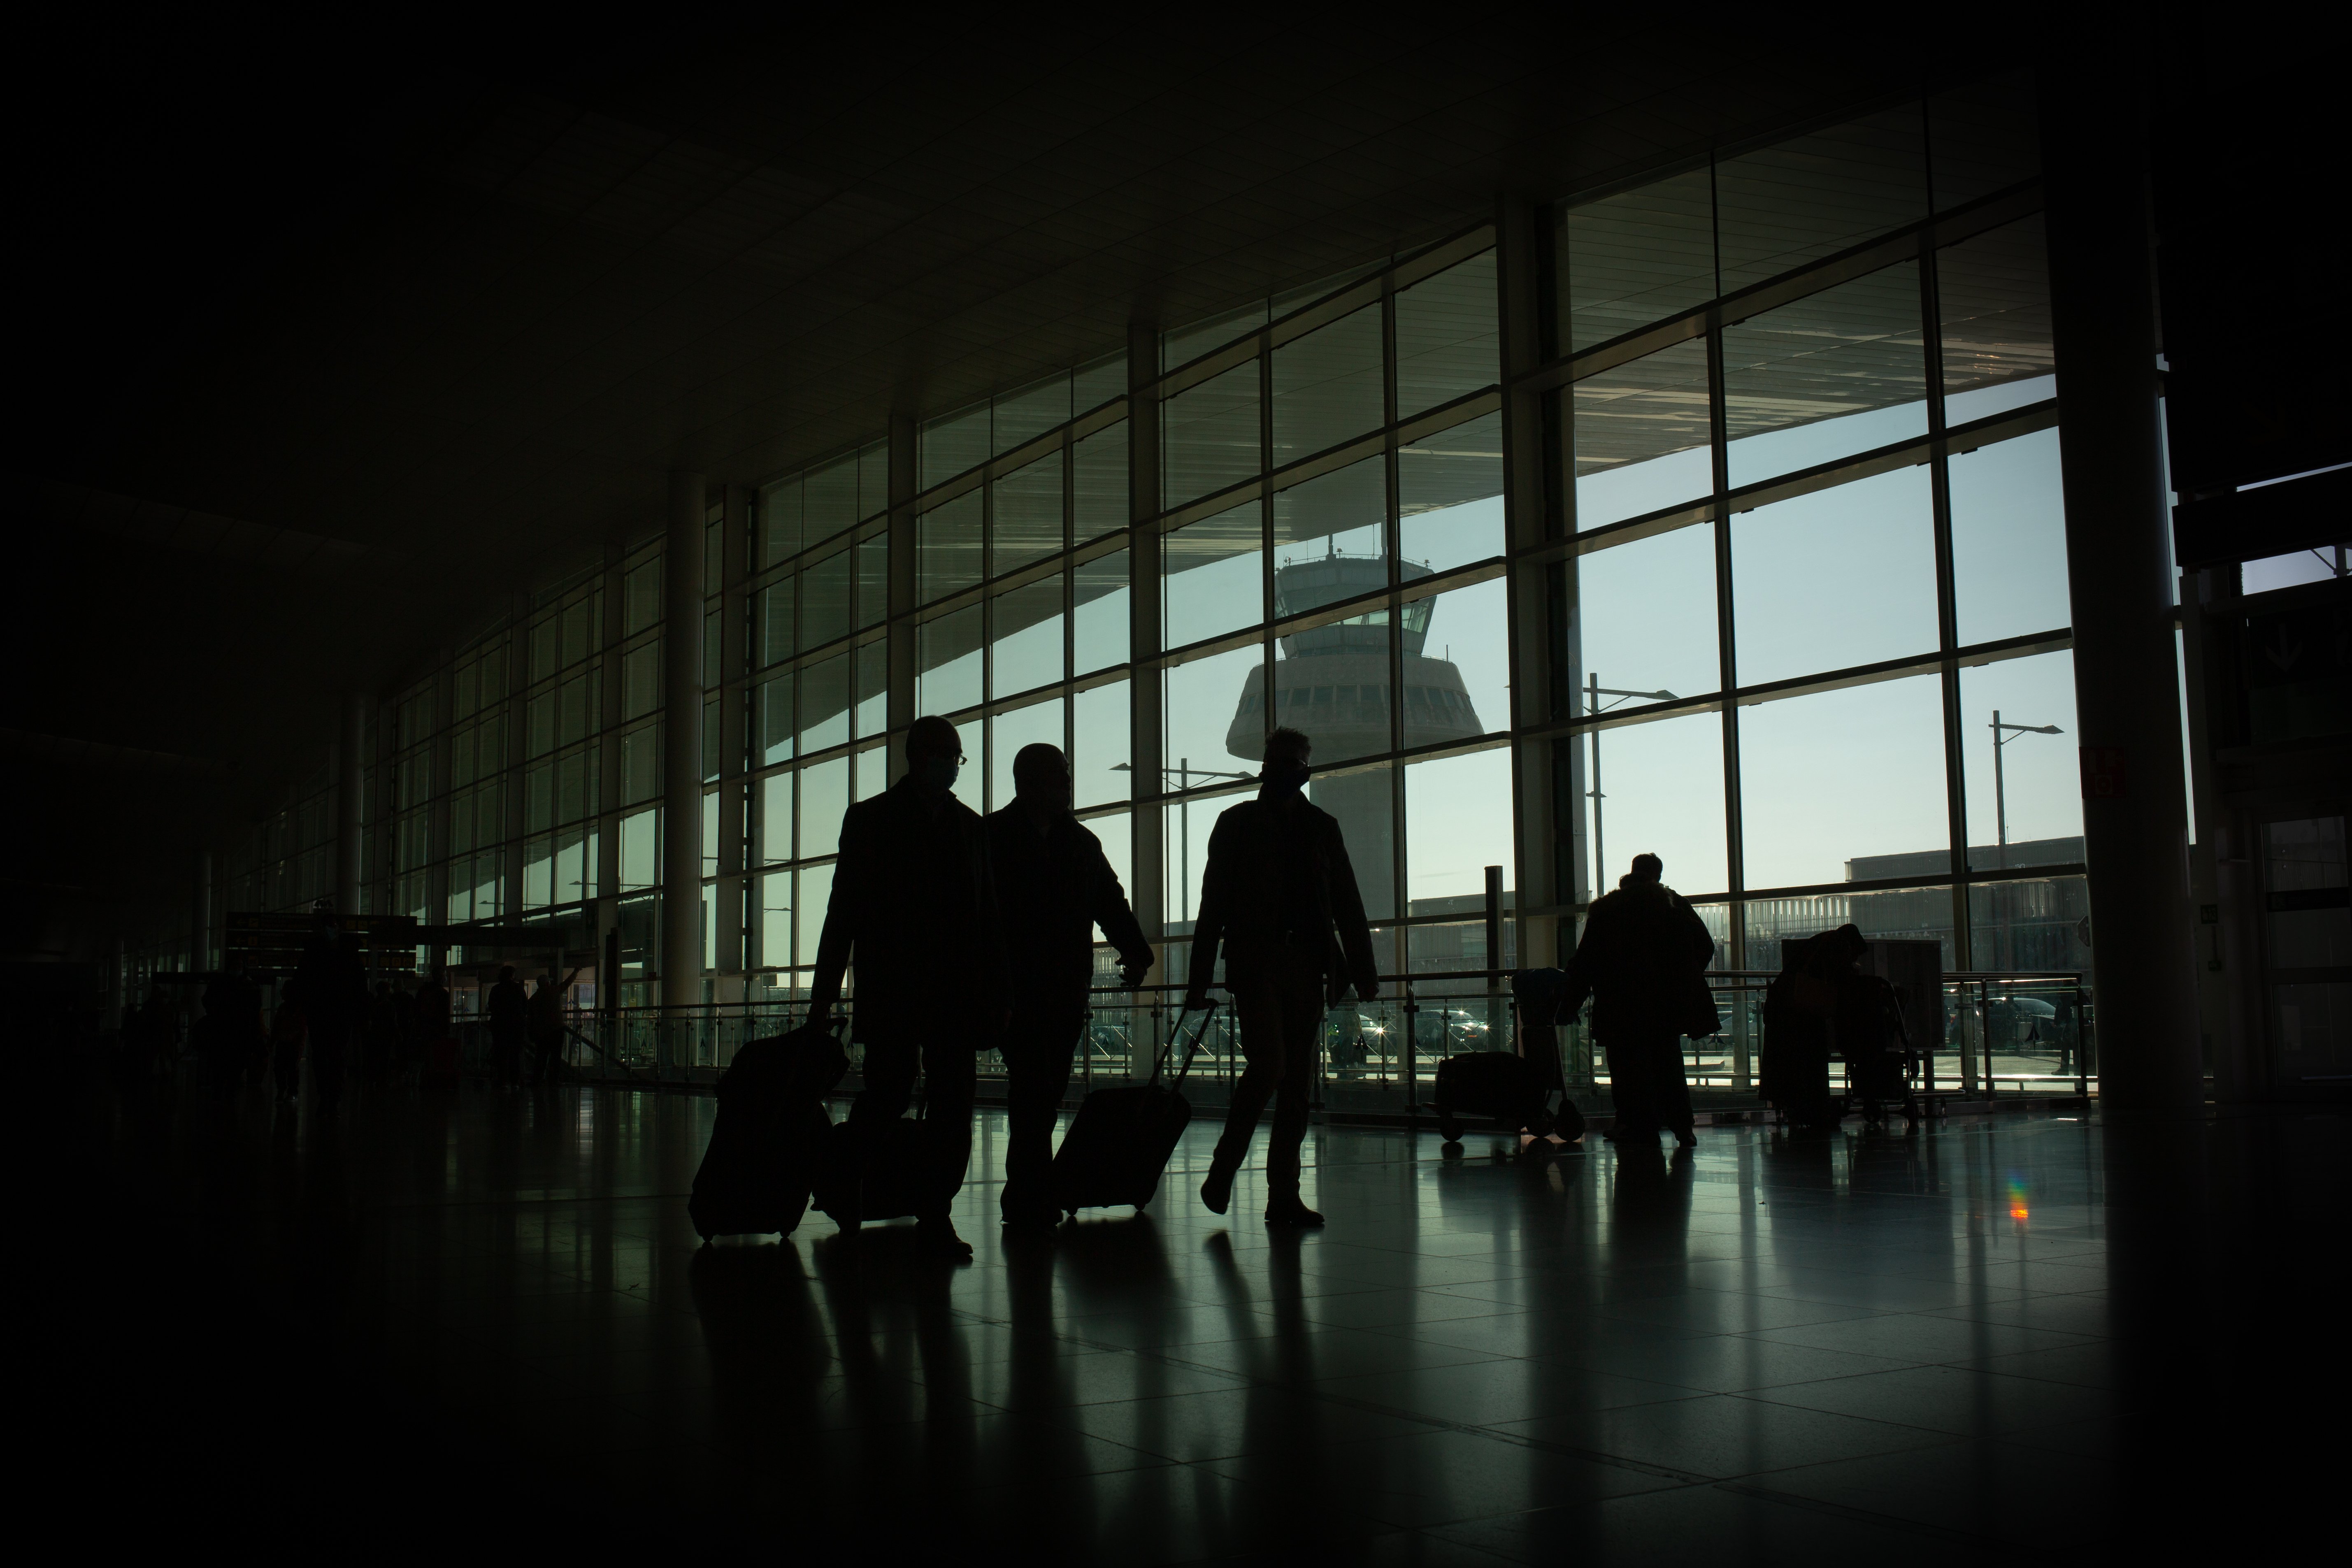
point(2000, 796)
point(2001, 826)
point(1594, 691)
point(1184, 772)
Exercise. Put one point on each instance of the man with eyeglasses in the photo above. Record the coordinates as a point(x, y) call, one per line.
point(914, 900)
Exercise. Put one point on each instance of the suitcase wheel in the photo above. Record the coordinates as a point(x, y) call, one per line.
point(1451, 1129)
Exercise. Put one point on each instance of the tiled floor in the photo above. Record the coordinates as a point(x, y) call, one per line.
point(1936, 1347)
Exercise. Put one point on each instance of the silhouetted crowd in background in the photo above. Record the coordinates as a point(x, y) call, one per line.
point(969, 933)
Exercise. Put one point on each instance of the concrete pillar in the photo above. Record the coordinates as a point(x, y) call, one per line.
point(1148, 887)
point(2126, 686)
point(681, 859)
point(200, 912)
point(350, 785)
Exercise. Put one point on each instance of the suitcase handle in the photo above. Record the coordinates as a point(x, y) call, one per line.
point(1199, 1036)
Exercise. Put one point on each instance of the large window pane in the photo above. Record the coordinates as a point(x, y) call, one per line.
point(1098, 488)
point(1092, 385)
point(1024, 415)
point(2008, 538)
point(1654, 789)
point(780, 520)
point(1457, 663)
point(1642, 437)
point(813, 892)
point(1636, 257)
point(1204, 727)
point(1099, 751)
point(1184, 344)
point(948, 663)
point(873, 687)
point(641, 763)
point(1334, 681)
point(824, 797)
point(1028, 523)
point(640, 850)
point(1643, 625)
point(1447, 340)
point(1209, 435)
point(1838, 775)
point(641, 597)
point(1027, 649)
point(873, 580)
point(771, 841)
point(1993, 303)
point(1362, 800)
point(825, 600)
point(2035, 800)
point(640, 683)
point(776, 921)
point(1834, 374)
point(773, 724)
point(1328, 386)
point(952, 443)
point(1105, 614)
point(1805, 199)
point(1328, 538)
point(1450, 491)
point(1457, 823)
point(824, 704)
point(773, 616)
point(840, 494)
point(948, 542)
point(1040, 722)
point(1840, 577)
point(1211, 576)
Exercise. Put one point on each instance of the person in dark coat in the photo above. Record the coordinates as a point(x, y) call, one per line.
point(1279, 898)
point(1642, 960)
point(508, 1011)
point(547, 1026)
point(331, 977)
point(914, 902)
point(1056, 886)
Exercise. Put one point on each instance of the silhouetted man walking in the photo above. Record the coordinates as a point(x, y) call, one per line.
point(914, 900)
point(331, 980)
point(508, 1011)
point(1642, 960)
point(1280, 897)
point(1056, 886)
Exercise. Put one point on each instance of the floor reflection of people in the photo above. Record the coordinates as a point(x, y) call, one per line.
point(901, 1435)
point(1650, 1205)
point(1285, 1444)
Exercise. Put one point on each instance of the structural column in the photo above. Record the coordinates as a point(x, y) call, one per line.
point(681, 839)
point(2126, 683)
point(351, 783)
point(200, 912)
point(1147, 865)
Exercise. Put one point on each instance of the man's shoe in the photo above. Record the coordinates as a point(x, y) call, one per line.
point(939, 1235)
point(1217, 1192)
point(1291, 1211)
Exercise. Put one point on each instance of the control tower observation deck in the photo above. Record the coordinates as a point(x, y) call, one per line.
point(1336, 683)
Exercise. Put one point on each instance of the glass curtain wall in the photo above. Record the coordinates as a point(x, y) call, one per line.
point(1813, 645)
point(1794, 564)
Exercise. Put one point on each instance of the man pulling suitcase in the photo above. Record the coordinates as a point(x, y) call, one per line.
point(1054, 886)
point(1280, 898)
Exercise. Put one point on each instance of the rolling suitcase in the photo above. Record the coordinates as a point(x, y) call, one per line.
point(1120, 1142)
point(771, 1132)
point(1538, 997)
point(1793, 1068)
point(1500, 1084)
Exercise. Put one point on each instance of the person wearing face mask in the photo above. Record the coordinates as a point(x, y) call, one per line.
point(1056, 886)
point(914, 902)
point(1279, 896)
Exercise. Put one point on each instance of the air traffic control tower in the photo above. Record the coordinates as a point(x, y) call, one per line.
point(1334, 682)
